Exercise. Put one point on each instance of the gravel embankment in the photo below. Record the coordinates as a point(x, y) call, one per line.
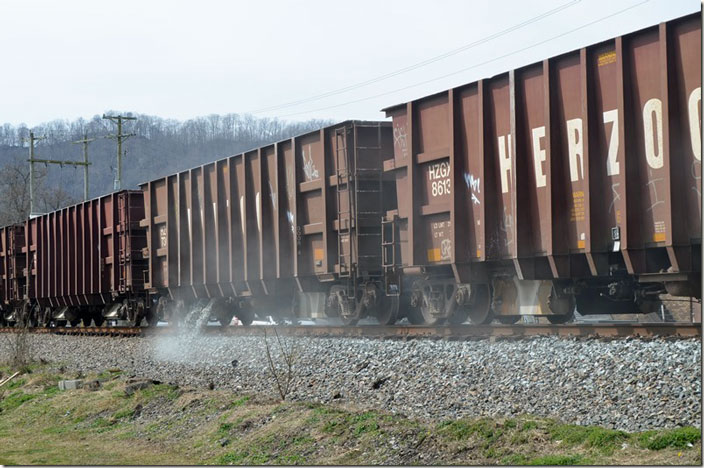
point(629, 384)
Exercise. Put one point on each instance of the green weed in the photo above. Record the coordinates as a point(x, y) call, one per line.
point(678, 438)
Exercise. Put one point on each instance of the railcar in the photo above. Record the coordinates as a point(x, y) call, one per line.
point(13, 307)
point(82, 263)
point(572, 181)
point(287, 230)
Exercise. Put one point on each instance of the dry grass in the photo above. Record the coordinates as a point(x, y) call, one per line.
point(166, 425)
point(282, 368)
point(19, 349)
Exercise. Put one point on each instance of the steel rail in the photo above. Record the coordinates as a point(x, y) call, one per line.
point(457, 332)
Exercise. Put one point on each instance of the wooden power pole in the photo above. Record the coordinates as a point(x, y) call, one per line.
point(85, 142)
point(32, 161)
point(119, 136)
point(32, 139)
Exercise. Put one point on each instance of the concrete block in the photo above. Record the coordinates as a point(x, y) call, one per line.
point(70, 384)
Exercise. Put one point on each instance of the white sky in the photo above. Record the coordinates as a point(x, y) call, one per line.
point(181, 59)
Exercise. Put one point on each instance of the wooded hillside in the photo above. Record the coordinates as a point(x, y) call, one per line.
point(160, 147)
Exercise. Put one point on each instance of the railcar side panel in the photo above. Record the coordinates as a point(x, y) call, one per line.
point(560, 164)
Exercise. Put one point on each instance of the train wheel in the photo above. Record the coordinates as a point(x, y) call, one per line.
point(245, 314)
point(559, 319)
point(350, 309)
point(429, 318)
point(414, 315)
point(508, 319)
point(152, 318)
point(225, 318)
point(136, 321)
point(98, 318)
point(222, 311)
point(45, 317)
point(87, 319)
point(74, 323)
point(480, 309)
point(459, 316)
point(561, 307)
point(61, 323)
point(387, 311)
point(350, 321)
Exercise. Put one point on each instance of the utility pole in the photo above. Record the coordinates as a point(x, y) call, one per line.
point(119, 137)
point(85, 142)
point(31, 140)
point(32, 161)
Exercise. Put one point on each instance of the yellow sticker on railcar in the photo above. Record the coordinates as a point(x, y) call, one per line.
point(659, 237)
point(607, 58)
point(581, 244)
point(318, 254)
point(434, 255)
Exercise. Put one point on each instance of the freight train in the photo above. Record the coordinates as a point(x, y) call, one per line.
point(572, 183)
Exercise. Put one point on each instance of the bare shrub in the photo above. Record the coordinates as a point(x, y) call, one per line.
point(19, 349)
point(283, 371)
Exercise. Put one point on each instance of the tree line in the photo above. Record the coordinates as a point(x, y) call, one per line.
point(160, 147)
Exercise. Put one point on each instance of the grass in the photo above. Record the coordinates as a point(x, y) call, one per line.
point(41, 425)
point(682, 437)
point(605, 440)
point(559, 460)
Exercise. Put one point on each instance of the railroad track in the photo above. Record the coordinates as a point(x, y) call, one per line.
point(461, 332)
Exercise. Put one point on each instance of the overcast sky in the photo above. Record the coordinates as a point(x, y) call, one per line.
point(180, 59)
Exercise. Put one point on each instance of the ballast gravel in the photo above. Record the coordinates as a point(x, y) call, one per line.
point(627, 384)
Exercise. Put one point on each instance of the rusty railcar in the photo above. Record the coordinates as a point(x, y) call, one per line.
point(282, 230)
point(85, 262)
point(13, 280)
point(575, 179)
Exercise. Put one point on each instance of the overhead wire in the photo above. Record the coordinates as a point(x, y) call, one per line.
point(419, 64)
point(386, 93)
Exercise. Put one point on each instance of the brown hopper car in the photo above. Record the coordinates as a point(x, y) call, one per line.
point(294, 224)
point(80, 263)
point(577, 178)
point(12, 273)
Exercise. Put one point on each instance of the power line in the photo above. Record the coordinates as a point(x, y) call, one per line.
point(469, 68)
point(419, 64)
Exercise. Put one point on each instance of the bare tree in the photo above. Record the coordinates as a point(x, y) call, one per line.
point(14, 185)
point(282, 373)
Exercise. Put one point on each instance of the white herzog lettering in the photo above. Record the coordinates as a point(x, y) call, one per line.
point(652, 117)
point(612, 165)
point(576, 149)
point(539, 157)
point(505, 161)
point(695, 122)
point(439, 177)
